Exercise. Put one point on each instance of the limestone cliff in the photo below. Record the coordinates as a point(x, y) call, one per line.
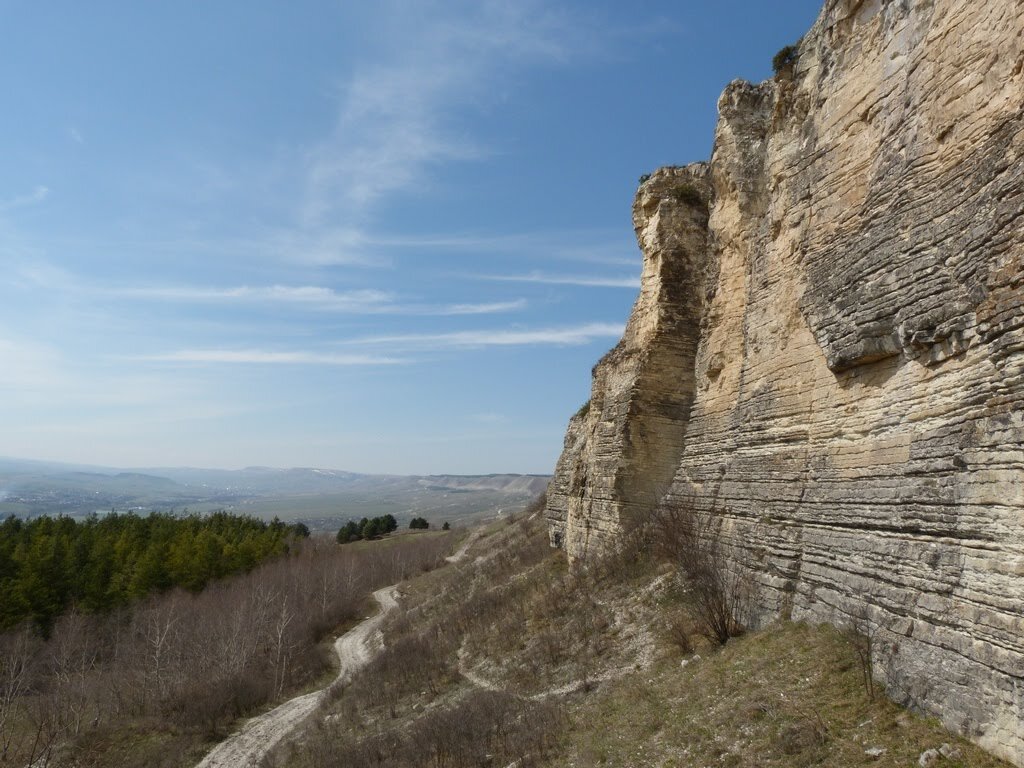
point(829, 357)
point(623, 447)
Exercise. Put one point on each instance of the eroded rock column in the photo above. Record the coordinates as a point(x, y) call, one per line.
point(622, 449)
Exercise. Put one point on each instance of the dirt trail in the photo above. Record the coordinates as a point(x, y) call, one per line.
point(246, 747)
point(460, 553)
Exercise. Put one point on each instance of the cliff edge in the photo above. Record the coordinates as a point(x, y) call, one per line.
point(827, 354)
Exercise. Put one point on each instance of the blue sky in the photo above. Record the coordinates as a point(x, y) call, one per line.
point(382, 237)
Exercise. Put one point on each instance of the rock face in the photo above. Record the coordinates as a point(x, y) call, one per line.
point(832, 366)
point(623, 447)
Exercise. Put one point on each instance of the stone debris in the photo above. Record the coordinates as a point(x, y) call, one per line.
point(950, 752)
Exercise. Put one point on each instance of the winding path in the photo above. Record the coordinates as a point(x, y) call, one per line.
point(355, 648)
point(460, 553)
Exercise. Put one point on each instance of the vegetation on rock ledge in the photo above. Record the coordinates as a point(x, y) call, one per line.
point(786, 58)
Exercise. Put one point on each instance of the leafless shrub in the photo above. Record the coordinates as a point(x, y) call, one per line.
point(808, 731)
point(679, 630)
point(717, 591)
point(860, 634)
point(410, 664)
point(628, 557)
point(482, 728)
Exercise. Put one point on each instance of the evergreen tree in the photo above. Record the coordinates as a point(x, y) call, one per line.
point(47, 564)
point(371, 529)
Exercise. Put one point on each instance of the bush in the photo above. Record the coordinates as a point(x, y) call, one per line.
point(419, 523)
point(583, 411)
point(689, 194)
point(717, 591)
point(785, 59)
point(677, 630)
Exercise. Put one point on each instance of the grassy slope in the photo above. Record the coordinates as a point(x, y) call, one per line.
point(517, 618)
point(789, 696)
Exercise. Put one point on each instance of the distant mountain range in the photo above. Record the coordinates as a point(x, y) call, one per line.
point(323, 498)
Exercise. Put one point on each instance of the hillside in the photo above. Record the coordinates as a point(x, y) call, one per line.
point(510, 657)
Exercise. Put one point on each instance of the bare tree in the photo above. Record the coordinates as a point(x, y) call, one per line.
point(860, 633)
point(16, 655)
point(159, 636)
point(193, 660)
point(717, 589)
point(74, 654)
point(282, 643)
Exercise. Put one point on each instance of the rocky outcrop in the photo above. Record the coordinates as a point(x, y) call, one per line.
point(853, 411)
point(623, 447)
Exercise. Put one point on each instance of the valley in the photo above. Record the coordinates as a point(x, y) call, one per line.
point(321, 499)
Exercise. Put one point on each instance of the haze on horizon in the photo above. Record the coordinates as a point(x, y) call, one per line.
point(387, 239)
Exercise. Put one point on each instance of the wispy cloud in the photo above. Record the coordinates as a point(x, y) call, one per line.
point(585, 281)
point(38, 194)
point(567, 336)
point(268, 357)
point(76, 135)
point(394, 123)
point(325, 245)
point(488, 308)
point(367, 247)
point(319, 298)
point(308, 295)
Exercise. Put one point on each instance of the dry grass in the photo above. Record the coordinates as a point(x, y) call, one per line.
point(411, 706)
point(477, 653)
point(786, 697)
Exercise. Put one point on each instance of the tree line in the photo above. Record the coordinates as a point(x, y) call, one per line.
point(375, 527)
point(367, 528)
point(49, 564)
point(181, 665)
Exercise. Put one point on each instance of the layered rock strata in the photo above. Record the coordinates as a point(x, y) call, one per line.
point(837, 377)
point(623, 447)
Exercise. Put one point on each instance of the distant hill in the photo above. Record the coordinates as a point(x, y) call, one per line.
point(322, 498)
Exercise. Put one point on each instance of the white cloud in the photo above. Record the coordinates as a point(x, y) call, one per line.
point(395, 119)
point(365, 247)
point(38, 194)
point(585, 281)
point(76, 135)
point(320, 298)
point(325, 246)
point(569, 336)
point(268, 357)
point(309, 295)
point(483, 309)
